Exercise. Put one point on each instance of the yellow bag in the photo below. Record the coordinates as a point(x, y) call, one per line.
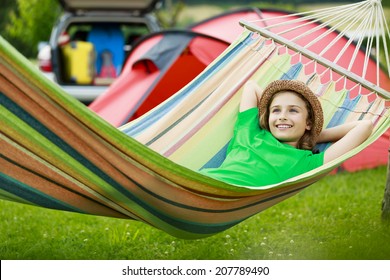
point(79, 61)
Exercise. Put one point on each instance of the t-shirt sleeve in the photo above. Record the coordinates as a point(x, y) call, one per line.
point(246, 118)
point(302, 161)
point(316, 160)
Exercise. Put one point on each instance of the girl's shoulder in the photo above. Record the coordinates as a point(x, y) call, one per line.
point(248, 118)
point(250, 111)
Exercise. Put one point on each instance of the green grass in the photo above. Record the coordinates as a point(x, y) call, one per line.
point(338, 217)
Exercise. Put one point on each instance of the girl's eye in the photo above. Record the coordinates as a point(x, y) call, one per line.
point(294, 110)
point(275, 110)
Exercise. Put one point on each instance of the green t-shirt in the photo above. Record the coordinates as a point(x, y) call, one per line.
point(256, 158)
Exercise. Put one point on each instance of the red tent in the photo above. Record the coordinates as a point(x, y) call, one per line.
point(152, 73)
point(162, 63)
point(157, 67)
point(226, 27)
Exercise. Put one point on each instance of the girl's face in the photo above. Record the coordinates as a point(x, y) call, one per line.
point(288, 117)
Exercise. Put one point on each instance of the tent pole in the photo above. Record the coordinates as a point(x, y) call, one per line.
point(386, 197)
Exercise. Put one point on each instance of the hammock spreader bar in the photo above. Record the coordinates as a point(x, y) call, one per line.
point(323, 61)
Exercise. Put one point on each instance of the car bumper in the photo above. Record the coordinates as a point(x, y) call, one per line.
point(84, 93)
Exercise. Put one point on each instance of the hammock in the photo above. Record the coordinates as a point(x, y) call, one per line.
point(57, 154)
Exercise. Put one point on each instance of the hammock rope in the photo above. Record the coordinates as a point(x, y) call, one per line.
point(58, 154)
point(352, 20)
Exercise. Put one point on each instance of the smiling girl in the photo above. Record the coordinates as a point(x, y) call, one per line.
point(275, 133)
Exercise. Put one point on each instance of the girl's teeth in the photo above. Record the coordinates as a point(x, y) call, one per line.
point(283, 126)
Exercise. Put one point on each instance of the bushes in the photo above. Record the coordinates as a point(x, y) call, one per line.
point(28, 22)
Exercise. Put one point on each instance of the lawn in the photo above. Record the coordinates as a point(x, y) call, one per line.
point(336, 218)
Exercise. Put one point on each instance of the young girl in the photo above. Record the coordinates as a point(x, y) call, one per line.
point(275, 133)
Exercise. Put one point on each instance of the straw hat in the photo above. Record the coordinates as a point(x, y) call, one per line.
point(300, 88)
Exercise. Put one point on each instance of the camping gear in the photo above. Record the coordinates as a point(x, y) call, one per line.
point(107, 38)
point(107, 72)
point(79, 60)
point(56, 153)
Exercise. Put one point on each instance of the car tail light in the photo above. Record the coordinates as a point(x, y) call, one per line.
point(44, 59)
point(45, 65)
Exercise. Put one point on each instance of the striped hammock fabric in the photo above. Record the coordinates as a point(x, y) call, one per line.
point(56, 153)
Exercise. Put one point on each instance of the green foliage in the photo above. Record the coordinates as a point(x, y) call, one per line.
point(386, 3)
point(168, 17)
point(338, 217)
point(6, 7)
point(31, 23)
point(273, 2)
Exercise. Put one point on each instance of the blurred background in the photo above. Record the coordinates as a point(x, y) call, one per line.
point(25, 23)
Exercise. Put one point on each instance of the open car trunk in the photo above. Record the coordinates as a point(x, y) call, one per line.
point(139, 6)
point(94, 37)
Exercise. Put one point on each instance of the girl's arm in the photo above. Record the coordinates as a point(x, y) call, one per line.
point(346, 137)
point(250, 95)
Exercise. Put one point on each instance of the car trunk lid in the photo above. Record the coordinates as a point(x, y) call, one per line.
point(135, 6)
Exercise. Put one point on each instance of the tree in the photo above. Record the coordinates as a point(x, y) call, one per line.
point(31, 23)
point(6, 7)
point(169, 15)
point(386, 197)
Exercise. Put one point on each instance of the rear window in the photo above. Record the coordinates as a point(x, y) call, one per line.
point(130, 31)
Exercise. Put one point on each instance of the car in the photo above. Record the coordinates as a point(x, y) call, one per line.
point(89, 43)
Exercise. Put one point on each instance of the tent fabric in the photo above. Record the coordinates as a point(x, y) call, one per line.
point(218, 32)
point(164, 62)
point(224, 26)
point(57, 153)
point(168, 48)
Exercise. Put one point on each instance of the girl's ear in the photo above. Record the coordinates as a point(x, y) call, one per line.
point(308, 125)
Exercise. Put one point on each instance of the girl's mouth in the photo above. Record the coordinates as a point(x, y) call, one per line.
point(283, 126)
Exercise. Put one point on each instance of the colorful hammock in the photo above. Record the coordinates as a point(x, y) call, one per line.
point(56, 153)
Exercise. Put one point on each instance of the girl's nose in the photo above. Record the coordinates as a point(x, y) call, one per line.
point(282, 116)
